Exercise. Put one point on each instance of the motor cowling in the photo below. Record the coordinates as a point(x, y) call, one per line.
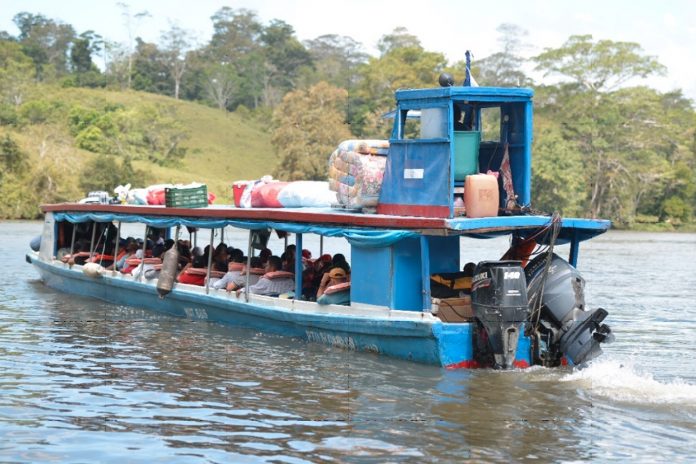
point(499, 302)
point(564, 326)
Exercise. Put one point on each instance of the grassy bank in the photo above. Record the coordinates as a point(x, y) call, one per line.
point(219, 147)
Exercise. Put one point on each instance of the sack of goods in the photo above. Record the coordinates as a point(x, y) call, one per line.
point(356, 170)
point(269, 193)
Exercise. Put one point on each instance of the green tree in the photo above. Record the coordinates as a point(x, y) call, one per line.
point(403, 64)
point(131, 21)
point(46, 42)
point(308, 125)
point(16, 73)
point(555, 167)
point(236, 47)
point(150, 72)
point(14, 160)
point(175, 43)
point(85, 72)
point(607, 124)
point(105, 173)
point(336, 59)
point(604, 65)
point(504, 68)
point(286, 58)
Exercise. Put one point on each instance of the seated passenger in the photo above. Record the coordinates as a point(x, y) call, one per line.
point(334, 288)
point(234, 269)
point(255, 274)
point(275, 281)
point(468, 272)
point(321, 267)
point(194, 273)
point(340, 261)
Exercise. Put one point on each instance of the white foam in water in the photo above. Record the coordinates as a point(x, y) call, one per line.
point(623, 382)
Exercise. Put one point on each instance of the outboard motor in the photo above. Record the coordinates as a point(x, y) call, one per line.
point(499, 303)
point(557, 305)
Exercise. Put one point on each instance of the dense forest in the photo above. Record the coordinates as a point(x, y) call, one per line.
point(606, 144)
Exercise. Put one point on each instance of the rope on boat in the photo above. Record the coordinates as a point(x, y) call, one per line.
point(554, 229)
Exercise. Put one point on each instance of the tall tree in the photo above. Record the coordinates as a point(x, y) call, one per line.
point(222, 83)
point(396, 39)
point(601, 66)
point(504, 68)
point(175, 44)
point(46, 42)
point(84, 47)
point(307, 126)
point(132, 22)
point(404, 64)
point(286, 58)
point(16, 73)
point(336, 59)
point(603, 122)
point(149, 71)
point(236, 43)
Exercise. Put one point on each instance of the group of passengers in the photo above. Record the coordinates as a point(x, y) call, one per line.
point(272, 275)
point(325, 279)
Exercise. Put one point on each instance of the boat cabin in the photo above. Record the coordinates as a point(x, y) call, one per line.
point(442, 135)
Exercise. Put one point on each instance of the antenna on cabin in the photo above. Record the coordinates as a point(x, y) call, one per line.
point(467, 78)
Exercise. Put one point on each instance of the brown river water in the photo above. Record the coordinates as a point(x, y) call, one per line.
point(82, 380)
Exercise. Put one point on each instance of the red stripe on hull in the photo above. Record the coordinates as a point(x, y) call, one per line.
point(473, 364)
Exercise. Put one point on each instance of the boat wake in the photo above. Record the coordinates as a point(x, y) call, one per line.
point(622, 381)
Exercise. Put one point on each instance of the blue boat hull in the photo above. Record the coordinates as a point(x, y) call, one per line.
point(413, 338)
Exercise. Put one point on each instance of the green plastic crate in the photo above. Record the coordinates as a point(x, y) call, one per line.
point(193, 197)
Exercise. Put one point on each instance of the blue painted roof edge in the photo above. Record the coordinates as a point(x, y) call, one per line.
point(471, 93)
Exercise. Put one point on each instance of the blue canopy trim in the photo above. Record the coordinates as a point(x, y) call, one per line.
point(571, 228)
point(359, 237)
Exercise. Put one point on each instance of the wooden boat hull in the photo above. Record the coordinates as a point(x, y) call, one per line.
point(418, 337)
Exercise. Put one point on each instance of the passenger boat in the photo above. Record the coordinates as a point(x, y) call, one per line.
point(524, 309)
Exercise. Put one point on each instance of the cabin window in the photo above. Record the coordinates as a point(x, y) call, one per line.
point(490, 124)
point(427, 123)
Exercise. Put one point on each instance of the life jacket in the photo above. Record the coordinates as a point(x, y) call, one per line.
point(279, 275)
point(342, 287)
point(202, 271)
point(520, 250)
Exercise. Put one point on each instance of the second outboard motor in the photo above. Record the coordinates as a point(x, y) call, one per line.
point(499, 302)
point(557, 302)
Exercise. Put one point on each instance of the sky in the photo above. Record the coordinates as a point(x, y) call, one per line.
point(665, 29)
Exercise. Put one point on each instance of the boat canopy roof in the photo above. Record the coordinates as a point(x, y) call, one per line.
point(494, 95)
point(367, 230)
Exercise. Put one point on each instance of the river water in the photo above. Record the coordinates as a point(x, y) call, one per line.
point(82, 380)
